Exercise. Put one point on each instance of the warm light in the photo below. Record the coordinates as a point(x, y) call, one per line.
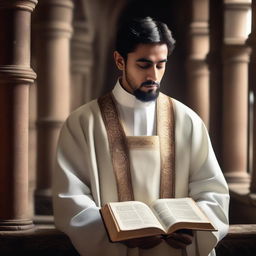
point(249, 22)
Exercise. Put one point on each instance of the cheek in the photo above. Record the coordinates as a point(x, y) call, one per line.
point(161, 74)
point(137, 75)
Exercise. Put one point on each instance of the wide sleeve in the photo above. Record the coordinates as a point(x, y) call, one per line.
point(207, 186)
point(75, 210)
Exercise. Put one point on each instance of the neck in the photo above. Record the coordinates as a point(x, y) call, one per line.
point(125, 87)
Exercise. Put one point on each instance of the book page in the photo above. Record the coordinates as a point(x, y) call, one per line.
point(173, 210)
point(133, 215)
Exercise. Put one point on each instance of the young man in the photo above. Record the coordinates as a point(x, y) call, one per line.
point(137, 144)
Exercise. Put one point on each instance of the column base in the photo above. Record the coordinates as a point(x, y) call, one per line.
point(43, 202)
point(16, 225)
point(237, 177)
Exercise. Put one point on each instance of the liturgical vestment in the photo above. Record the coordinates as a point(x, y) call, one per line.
point(87, 171)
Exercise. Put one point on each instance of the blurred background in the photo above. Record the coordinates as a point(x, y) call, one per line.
point(72, 55)
point(69, 46)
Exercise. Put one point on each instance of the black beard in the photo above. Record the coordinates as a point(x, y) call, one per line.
point(149, 95)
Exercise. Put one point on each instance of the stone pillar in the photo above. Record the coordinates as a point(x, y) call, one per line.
point(15, 78)
point(235, 90)
point(81, 59)
point(53, 31)
point(197, 69)
point(32, 144)
point(252, 75)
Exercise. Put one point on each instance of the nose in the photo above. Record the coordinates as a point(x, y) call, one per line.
point(152, 74)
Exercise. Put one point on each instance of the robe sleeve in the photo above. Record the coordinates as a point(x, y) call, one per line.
point(75, 210)
point(207, 187)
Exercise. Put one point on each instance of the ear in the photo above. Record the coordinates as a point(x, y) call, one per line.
point(119, 60)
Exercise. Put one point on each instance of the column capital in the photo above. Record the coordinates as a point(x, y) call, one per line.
point(199, 28)
point(28, 5)
point(234, 41)
point(60, 3)
point(82, 33)
point(16, 74)
point(54, 18)
point(237, 4)
point(235, 21)
point(237, 177)
point(236, 53)
point(81, 47)
point(16, 225)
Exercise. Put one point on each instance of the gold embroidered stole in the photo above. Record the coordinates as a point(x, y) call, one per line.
point(118, 147)
point(166, 133)
point(120, 151)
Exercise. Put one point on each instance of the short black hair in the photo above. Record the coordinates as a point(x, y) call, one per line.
point(142, 31)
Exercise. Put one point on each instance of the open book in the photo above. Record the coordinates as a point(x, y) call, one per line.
point(133, 219)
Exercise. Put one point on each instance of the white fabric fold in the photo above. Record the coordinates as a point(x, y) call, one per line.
point(84, 173)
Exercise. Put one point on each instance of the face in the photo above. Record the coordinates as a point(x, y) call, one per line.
point(143, 70)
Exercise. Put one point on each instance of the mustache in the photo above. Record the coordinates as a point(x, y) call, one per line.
point(150, 83)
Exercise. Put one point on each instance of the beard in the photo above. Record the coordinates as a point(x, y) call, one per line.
point(146, 96)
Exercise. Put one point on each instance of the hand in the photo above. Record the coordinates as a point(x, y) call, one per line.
point(180, 239)
point(144, 242)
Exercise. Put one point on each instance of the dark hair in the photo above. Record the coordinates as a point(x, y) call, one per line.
point(143, 31)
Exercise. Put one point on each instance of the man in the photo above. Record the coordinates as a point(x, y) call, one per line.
point(137, 144)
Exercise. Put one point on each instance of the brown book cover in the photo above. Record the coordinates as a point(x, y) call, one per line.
point(134, 219)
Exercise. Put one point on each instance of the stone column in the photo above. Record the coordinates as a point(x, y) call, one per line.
point(32, 143)
point(81, 59)
point(235, 90)
point(15, 78)
point(197, 69)
point(252, 75)
point(53, 31)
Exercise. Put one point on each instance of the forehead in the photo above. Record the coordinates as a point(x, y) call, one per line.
point(154, 52)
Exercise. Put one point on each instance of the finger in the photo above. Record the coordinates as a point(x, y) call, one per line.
point(144, 242)
point(132, 243)
point(179, 241)
point(175, 243)
point(184, 238)
point(150, 242)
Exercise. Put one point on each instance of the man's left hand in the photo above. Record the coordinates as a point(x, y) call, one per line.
point(179, 240)
point(143, 242)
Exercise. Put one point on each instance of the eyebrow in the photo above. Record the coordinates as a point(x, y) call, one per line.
point(150, 61)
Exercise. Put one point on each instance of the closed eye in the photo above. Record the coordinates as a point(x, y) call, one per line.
point(160, 66)
point(144, 66)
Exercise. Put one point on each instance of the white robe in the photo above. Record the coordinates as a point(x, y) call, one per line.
point(84, 180)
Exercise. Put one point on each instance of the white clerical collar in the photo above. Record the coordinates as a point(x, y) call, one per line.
point(126, 99)
point(137, 117)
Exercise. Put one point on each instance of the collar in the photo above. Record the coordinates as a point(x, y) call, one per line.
point(126, 99)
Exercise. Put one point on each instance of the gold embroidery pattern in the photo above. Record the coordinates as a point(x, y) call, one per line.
point(166, 132)
point(145, 142)
point(118, 147)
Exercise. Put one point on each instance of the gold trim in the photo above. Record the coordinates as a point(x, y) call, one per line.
point(166, 132)
point(145, 142)
point(118, 147)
